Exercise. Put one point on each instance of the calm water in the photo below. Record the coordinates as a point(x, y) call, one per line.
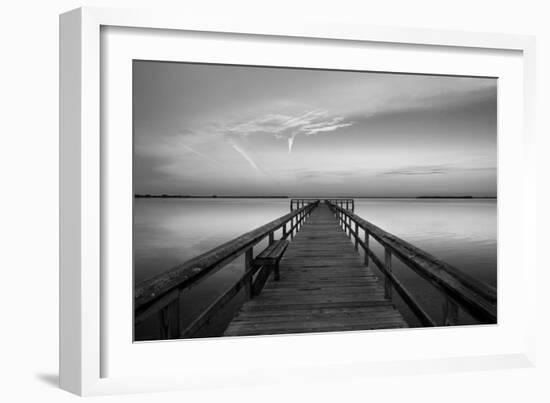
point(170, 231)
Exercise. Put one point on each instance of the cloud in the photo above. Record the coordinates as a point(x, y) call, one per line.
point(418, 170)
point(202, 155)
point(290, 126)
point(327, 174)
point(326, 126)
point(432, 170)
point(247, 157)
point(291, 142)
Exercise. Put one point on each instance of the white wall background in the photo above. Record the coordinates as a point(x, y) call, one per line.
point(29, 199)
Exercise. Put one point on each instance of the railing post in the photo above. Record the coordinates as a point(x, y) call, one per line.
point(450, 312)
point(347, 224)
point(271, 238)
point(344, 222)
point(387, 266)
point(284, 230)
point(366, 248)
point(248, 262)
point(356, 236)
point(169, 318)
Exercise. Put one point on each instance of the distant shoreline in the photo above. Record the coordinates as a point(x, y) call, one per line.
point(169, 196)
point(455, 197)
point(175, 196)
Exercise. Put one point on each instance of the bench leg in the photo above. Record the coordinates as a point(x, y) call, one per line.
point(276, 275)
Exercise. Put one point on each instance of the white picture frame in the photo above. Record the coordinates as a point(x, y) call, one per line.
point(85, 343)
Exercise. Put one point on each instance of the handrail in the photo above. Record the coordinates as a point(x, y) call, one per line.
point(161, 293)
point(347, 204)
point(297, 203)
point(475, 297)
point(300, 202)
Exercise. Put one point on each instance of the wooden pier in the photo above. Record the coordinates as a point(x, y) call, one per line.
point(312, 278)
point(324, 286)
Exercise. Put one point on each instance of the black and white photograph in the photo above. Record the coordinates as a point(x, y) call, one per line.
point(272, 200)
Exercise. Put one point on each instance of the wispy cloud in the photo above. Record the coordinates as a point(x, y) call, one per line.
point(199, 154)
point(245, 155)
point(418, 170)
point(290, 126)
point(326, 174)
point(432, 170)
point(291, 142)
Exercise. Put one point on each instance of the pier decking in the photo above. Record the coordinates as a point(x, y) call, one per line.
point(324, 286)
point(311, 278)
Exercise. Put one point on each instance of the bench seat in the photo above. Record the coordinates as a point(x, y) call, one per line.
point(273, 253)
point(269, 259)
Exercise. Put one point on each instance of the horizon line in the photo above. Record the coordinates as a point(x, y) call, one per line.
point(176, 195)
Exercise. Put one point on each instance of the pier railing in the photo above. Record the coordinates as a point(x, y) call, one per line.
point(457, 288)
point(299, 203)
point(161, 294)
point(347, 204)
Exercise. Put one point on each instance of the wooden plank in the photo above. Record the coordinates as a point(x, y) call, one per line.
point(328, 317)
point(375, 307)
point(325, 286)
point(247, 330)
point(297, 307)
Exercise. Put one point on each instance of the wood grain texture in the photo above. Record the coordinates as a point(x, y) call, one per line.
point(323, 287)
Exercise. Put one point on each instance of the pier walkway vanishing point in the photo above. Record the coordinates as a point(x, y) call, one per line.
point(312, 279)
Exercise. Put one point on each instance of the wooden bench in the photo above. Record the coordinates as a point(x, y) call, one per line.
point(269, 259)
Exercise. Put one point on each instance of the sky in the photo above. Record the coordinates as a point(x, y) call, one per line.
point(203, 129)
